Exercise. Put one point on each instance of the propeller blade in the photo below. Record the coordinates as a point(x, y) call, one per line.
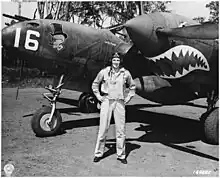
point(203, 31)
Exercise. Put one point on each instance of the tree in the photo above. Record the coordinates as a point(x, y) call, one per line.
point(94, 13)
point(214, 10)
point(152, 6)
point(40, 7)
point(120, 12)
point(199, 19)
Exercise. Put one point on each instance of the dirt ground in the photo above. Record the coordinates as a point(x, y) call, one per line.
point(161, 140)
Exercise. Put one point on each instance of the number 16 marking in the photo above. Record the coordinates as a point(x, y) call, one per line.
point(28, 40)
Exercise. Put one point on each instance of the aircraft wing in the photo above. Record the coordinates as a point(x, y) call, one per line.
point(206, 31)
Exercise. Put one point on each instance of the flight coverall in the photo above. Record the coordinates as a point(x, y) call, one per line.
point(113, 87)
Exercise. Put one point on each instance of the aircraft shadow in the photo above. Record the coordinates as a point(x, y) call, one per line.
point(69, 111)
point(71, 102)
point(194, 152)
point(138, 106)
point(168, 130)
point(157, 127)
point(160, 127)
point(131, 147)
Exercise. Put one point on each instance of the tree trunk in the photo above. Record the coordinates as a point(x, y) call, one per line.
point(140, 7)
point(40, 7)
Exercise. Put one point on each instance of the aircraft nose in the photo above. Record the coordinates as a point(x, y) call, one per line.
point(7, 37)
point(141, 32)
point(139, 27)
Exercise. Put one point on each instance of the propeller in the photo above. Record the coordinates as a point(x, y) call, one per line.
point(206, 31)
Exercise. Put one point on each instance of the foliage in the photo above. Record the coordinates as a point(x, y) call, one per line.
point(199, 19)
point(30, 78)
point(214, 11)
point(95, 13)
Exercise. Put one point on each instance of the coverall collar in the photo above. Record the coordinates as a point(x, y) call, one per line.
point(120, 70)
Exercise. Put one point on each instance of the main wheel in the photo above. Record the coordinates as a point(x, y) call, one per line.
point(39, 122)
point(211, 127)
point(87, 103)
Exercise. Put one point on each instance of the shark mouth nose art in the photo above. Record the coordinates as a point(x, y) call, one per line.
point(179, 61)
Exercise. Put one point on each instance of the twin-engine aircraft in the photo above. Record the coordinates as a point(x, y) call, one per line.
point(172, 59)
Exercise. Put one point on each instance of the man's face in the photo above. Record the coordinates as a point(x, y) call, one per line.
point(115, 62)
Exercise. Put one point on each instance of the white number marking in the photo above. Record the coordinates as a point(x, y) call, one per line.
point(17, 37)
point(29, 41)
point(29, 44)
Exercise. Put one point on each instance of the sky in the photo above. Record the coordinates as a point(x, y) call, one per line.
point(11, 8)
point(189, 9)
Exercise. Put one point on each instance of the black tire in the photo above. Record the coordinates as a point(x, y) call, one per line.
point(87, 103)
point(40, 128)
point(211, 127)
point(91, 104)
point(81, 98)
point(81, 101)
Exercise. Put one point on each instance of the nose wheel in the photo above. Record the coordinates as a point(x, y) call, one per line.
point(47, 120)
point(40, 122)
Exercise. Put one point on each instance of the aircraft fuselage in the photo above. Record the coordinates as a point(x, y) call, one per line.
point(161, 65)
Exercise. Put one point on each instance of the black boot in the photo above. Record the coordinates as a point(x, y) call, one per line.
point(124, 161)
point(97, 159)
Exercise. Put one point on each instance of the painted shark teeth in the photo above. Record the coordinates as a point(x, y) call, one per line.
point(185, 71)
point(186, 51)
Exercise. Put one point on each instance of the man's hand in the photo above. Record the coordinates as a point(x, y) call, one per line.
point(101, 98)
point(127, 99)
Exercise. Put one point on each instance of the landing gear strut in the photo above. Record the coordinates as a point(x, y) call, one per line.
point(47, 120)
point(210, 119)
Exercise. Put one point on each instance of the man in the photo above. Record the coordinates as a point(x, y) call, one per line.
point(113, 80)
